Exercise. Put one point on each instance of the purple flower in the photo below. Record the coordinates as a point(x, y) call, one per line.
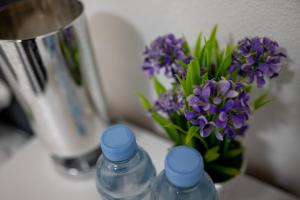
point(163, 53)
point(257, 58)
point(219, 107)
point(169, 102)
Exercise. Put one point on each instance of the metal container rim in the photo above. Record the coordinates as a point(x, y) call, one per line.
point(41, 36)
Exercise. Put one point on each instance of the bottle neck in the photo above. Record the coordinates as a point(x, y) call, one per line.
point(181, 189)
point(132, 161)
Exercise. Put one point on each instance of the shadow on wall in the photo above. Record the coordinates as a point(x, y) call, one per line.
point(118, 47)
point(273, 121)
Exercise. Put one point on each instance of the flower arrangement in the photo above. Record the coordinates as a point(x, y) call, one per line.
point(208, 104)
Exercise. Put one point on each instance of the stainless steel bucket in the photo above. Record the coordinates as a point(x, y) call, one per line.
point(46, 57)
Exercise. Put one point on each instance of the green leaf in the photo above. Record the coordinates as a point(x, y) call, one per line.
point(201, 140)
point(181, 63)
point(207, 55)
point(212, 154)
point(248, 88)
point(204, 78)
point(213, 33)
point(185, 47)
point(178, 128)
point(261, 101)
point(225, 170)
point(159, 88)
point(226, 143)
point(183, 85)
point(261, 97)
point(167, 126)
point(233, 153)
point(196, 72)
point(258, 106)
point(192, 77)
point(193, 73)
point(190, 134)
point(218, 56)
point(201, 56)
point(225, 63)
point(145, 103)
point(197, 51)
point(234, 74)
point(189, 81)
point(209, 46)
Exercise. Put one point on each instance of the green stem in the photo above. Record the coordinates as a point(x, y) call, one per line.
point(226, 144)
point(203, 142)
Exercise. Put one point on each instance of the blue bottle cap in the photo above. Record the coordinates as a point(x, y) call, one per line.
point(184, 166)
point(118, 143)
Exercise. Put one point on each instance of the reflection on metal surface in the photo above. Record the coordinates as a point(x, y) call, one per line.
point(35, 70)
point(70, 51)
point(80, 167)
point(46, 56)
point(5, 62)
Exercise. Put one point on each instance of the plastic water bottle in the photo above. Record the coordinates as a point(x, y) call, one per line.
point(184, 177)
point(124, 170)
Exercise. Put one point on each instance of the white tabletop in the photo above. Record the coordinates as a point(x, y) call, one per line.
point(30, 175)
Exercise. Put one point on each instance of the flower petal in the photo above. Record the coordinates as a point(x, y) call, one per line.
point(246, 67)
point(260, 81)
point(275, 68)
point(149, 70)
point(251, 77)
point(193, 100)
point(190, 115)
point(206, 107)
point(228, 105)
point(232, 68)
point(205, 93)
point(221, 124)
point(223, 86)
point(217, 100)
point(264, 67)
point(213, 109)
point(218, 135)
point(242, 130)
point(202, 121)
point(232, 94)
point(250, 60)
point(237, 121)
point(223, 116)
point(197, 90)
point(206, 130)
point(230, 132)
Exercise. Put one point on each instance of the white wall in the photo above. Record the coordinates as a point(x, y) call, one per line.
point(121, 28)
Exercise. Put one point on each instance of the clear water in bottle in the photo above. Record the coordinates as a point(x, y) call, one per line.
point(184, 178)
point(124, 171)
